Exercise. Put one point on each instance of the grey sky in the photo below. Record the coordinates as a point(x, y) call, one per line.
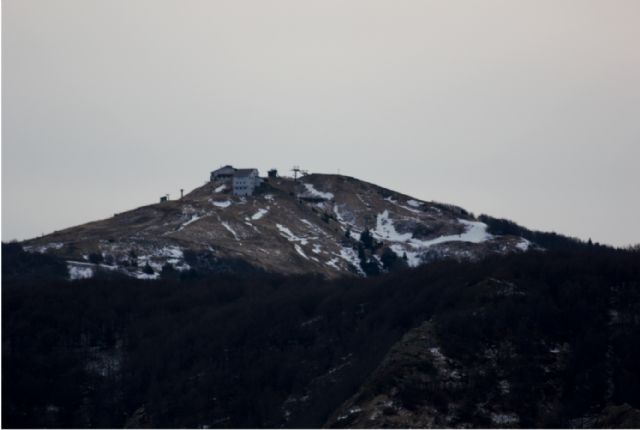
point(528, 110)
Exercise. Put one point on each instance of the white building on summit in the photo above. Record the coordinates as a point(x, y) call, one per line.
point(244, 181)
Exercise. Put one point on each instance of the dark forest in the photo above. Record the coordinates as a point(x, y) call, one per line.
point(263, 350)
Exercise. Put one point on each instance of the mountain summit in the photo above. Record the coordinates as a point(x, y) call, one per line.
point(330, 225)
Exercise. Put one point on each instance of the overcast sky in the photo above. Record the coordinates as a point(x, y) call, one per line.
point(528, 110)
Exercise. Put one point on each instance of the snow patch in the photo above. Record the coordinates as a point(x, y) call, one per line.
point(405, 243)
point(315, 193)
point(476, 232)
point(79, 272)
point(351, 256)
point(300, 251)
point(311, 321)
point(170, 251)
point(261, 212)
point(308, 223)
point(413, 204)
point(252, 226)
point(413, 258)
point(222, 204)
point(367, 204)
point(43, 248)
point(437, 354)
point(333, 263)
point(504, 419)
point(505, 387)
point(220, 189)
point(288, 234)
point(523, 245)
point(172, 255)
point(193, 219)
point(146, 276)
point(346, 220)
point(386, 230)
point(228, 227)
point(349, 413)
point(415, 211)
point(313, 227)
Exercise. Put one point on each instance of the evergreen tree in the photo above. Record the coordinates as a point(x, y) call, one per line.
point(147, 269)
point(367, 239)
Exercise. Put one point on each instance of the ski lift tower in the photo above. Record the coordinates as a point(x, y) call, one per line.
point(296, 170)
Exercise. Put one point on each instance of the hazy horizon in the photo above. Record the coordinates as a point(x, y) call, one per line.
point(522, 110)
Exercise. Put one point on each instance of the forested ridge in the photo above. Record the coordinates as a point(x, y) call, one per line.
point(265, 350)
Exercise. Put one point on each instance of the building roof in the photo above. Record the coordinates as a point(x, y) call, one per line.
point(245, 172)
point(224, 168)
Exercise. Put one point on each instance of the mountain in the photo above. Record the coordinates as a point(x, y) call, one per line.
point(329, 225)
point(261, 316)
